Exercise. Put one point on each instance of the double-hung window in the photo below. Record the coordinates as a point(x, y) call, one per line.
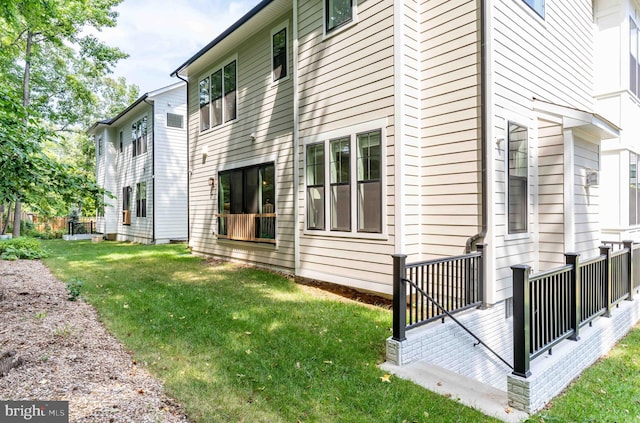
point(141, 199)
point(139, 136)
point(369, 182)
point(315, 186)
point(218, 97)
point(337, 13)
point(354, 185)
point(518, 178)
point(126, 205)
point(99, 145)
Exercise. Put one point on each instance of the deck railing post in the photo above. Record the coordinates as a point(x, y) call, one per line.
point(521, 320)
point(605, 250)
point(399, 297)
point(573, 259)
point(482, 295)
point(629, 246)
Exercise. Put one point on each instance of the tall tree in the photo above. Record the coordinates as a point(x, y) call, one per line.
point(47, 57)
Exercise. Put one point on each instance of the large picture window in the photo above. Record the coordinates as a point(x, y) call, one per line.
point(337, 13)
point(518, 178)
point(141, 199)
point(218, 97)
point(246, 203)
point(354, 185)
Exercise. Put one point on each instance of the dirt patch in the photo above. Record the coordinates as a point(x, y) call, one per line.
point(67, 355)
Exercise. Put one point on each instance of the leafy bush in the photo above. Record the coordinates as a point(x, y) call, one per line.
point(22, 248)
point(74, 287)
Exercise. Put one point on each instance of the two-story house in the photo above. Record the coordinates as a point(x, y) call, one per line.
point(327, 135)
point(141, 159)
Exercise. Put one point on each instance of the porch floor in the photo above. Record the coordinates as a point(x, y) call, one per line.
point(487, 399)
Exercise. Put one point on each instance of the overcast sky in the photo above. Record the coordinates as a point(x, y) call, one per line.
point(160, 35)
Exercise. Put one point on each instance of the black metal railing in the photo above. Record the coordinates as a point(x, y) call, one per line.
point(552, 306)
point(431, 290)
point(77, 228)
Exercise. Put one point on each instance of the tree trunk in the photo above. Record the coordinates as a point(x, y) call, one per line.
point(26, 99)
point(6, 221)
point(17, 211)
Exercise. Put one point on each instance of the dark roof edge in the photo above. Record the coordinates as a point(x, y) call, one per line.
point(224, 35)
point(109, 122)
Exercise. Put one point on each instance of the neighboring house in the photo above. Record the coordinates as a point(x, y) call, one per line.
point(617, 91)
point(327, 135)
point(141, 159)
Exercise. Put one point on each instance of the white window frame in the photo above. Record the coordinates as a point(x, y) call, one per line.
point(341, 28)
point(219, 66)
point(518, 120)
point(134, 148)
point(352, 132)
point(283, 25)
point(537, 6)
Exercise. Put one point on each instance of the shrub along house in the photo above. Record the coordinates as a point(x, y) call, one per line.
point(326, 136)
point(141, 159)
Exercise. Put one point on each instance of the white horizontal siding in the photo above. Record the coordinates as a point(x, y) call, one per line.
point(450, 126)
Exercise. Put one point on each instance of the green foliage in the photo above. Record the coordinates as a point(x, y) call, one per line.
point(22, 248)
point(74, 287)
point(265, 348)
point(51, 73)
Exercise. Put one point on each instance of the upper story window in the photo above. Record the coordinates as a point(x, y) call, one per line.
point(121, 141)
point(279, 53)
point(634, 66)
point(337, 13)
point(537, 6)
point(99, 145)
point(139, 136)
point(518, 178)
point(218, 96)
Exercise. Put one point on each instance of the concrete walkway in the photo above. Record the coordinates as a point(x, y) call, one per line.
point(490, 401)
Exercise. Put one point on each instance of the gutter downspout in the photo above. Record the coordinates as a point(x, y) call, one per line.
point(484, 122)
point(296, 140)
point(188, 162)
point(153, 169)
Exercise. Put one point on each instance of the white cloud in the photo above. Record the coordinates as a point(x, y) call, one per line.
point(161, 35)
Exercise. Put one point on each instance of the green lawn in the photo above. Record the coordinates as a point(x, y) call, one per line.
point(608, 391)
point(240, 344)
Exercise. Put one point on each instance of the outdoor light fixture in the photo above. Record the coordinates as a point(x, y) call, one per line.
point(205, 152)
